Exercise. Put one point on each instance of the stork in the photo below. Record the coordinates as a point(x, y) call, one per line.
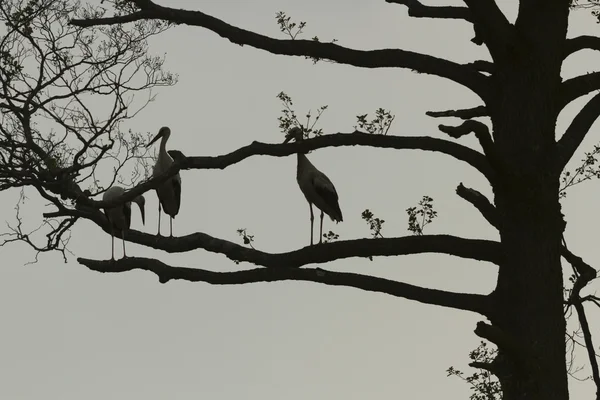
point(119, 217)
point(169, 193)
point(316, 187)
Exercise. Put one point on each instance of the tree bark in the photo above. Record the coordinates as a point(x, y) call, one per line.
point(529, 294)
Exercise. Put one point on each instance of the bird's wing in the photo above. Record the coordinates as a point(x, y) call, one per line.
point(127, 214)
point(324, 187)
point(176, 182)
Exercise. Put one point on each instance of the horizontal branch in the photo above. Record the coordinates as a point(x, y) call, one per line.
point(469, 302)
point(465, 113)
point(462, 153)
point(577, 130)
point(383, 58)
point(483, 250)
point(581, 43)
point(579, 86)
point(419, 10)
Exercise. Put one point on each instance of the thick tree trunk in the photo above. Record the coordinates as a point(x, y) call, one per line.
point(529, 294)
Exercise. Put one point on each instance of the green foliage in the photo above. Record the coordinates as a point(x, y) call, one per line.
point(420, 216)
point(289, 118)
point(484, 384)
point(330, 237)
point(380, 125)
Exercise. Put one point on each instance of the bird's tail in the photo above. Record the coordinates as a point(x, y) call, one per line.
point(336, 213)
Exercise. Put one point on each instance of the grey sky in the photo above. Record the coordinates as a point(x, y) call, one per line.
point(69, 333)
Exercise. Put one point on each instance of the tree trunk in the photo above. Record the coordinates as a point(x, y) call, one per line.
point(529, 294)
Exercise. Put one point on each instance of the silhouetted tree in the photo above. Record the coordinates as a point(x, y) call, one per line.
point(522, 156)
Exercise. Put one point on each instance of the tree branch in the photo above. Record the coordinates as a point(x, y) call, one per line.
point(469, 302)
point(579, 86)
point(419, 10)
point(182, 162)
point(577, 130)
point(483, 250)
point(585, 274)
point(482, 133)
point(480, 202)
point(466, 113)
point(491, 26)
point(383, 58)
point(581, 43)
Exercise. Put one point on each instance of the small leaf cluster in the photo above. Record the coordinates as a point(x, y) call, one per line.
point(330, 237)
point(375, 224)
point(483, 383)
point(289, 118)
point(247, 238)
point(380, 125)
point(421, 215)
point(292, 29)
point(589, 169)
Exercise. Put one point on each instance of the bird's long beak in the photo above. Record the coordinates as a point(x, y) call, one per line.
point(287, 138)
point(158, 136)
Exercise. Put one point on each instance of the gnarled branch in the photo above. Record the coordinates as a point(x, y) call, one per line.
point(577, 130)
point(581, 43)
point(420, 10)
point(491, 26)
point(480, 202)
point(457, 151)
point(484, 250)
point(579, 86)
point(469, 302)
point(465, 113)
point(383, 58)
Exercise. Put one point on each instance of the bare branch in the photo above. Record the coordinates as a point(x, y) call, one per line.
point(581, 43)
point(577, 130)
point(482, 133)
point(484, 250)
point(480, 202)
point(466, 113)
point(419, 10)
point(579, 86)
point(469, 302)
point(383, 58)
point(491, 26)
point(459, 152)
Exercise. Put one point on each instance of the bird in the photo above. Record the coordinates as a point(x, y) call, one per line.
point(169, 193)
point(119, 217)
point(316, 186)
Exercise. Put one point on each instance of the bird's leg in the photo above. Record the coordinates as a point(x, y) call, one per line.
point(171, 224)
point(321, 230)
point(112, 246)
point(123, 238)
point(312, 220)
point(159, 212)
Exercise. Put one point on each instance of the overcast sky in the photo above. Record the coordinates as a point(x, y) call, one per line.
point(67, 333)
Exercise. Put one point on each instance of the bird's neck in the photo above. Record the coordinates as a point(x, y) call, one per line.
point(163, 144)
point(303, 163)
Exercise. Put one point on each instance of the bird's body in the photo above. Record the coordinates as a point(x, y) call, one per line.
point(316, 187)
point(169, 193)
point(120, 217)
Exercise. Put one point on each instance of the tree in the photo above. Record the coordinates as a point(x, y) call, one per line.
point(523, 158)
